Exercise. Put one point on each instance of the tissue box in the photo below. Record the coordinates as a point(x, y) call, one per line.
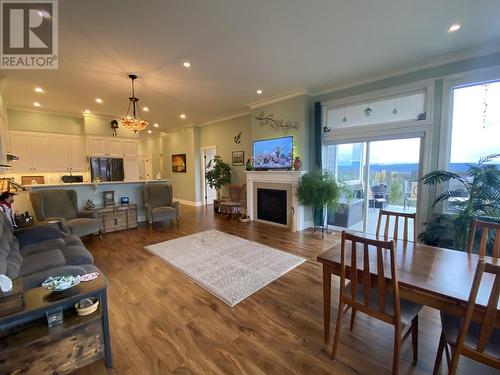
point(13, 301)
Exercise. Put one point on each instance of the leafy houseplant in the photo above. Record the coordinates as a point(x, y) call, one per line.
point(318, 190)
point(482, 185)
point(218, 174)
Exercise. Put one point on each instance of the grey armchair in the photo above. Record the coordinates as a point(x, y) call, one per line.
point(61, 205)
point(158, 204)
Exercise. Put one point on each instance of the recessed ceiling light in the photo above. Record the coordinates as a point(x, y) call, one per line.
point(182, 116)
point(259, 92)
point(98, 100)
point(150, 131)
point(36, 104)
point(156, 125)
point(38, 89)
point(86, 111)
point(145, 109)
point(454, 28)
point(187, 64)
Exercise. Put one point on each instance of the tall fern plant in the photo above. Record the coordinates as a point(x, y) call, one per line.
point(482, 183)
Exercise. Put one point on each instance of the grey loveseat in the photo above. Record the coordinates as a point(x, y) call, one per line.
point(41, 251)
point(62, 205)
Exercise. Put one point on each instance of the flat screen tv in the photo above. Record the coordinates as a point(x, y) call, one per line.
point(276, 153)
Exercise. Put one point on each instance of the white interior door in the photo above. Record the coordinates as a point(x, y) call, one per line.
point(206, 156)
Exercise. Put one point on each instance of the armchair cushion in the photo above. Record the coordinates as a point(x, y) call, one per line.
point(83, 226)
point(166, 213)
point(55, 203)
point(158, 194)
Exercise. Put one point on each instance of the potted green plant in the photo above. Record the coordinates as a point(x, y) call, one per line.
point(318, 190)
point(478, 197)
point(218, 174)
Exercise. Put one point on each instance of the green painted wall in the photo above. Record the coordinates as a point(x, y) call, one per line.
point(44, 122)
point(183, 141)
point(102, 126)
point(293, 109)
point(221, 135)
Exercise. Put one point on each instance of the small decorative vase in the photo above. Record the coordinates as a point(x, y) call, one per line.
point(249, 165)
point(297, 164)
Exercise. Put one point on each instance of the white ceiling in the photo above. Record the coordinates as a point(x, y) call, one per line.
point(236, 47)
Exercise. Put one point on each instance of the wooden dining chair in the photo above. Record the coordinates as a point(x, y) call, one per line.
point(396, 215)
point(486, 228)
point(478, 339)
point(380, 300)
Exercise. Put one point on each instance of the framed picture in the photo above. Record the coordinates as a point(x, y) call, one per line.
point(108, 198)
point(179, 163)
point(238, 158)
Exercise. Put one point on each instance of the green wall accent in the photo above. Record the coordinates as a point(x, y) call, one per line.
point(221, 135)
point(102, 126)
point(293, 109)
point(44, 122)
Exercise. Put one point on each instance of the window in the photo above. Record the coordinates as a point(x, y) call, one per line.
point(407, 107)
point(475, 128)
point(345, 161)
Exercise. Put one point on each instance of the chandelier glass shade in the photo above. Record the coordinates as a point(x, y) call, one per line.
point(133, 120)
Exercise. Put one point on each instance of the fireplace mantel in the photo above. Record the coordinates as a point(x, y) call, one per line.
point(286, 180)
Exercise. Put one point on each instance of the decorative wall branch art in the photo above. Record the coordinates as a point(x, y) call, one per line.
point(268, 120)
point(237, 138)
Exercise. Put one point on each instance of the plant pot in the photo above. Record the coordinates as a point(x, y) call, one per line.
point(319, 217)
point(244, 219)
point(216, 206)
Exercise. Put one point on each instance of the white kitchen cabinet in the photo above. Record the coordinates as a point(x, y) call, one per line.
point(33, 151)
point(130, 148)
point(113, 148)
point(77, 155)
point(20, 147)
point(131, 168)
point(59, 153)
point(96, 146)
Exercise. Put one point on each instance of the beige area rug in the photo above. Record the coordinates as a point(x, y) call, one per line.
point(229, 267)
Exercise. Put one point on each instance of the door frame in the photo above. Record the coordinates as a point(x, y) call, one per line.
point(204, 201)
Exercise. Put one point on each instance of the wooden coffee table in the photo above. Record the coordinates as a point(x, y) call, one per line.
point(29, 346)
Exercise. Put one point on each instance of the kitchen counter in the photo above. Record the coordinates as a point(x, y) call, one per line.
point(62, 184)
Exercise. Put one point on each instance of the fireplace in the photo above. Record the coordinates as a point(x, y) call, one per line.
point(272, 205)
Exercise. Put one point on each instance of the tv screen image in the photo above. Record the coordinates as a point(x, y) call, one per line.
point(274, 153)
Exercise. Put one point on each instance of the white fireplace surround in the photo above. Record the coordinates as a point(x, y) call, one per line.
point(282, 180)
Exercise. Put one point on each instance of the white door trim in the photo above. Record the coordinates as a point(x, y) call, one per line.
point(202, 169)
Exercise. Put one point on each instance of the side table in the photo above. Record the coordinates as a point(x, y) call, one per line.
point(29, 346)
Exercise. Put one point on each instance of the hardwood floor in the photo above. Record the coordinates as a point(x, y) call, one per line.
point(161, 322)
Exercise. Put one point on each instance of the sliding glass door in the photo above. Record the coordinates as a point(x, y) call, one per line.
point(373, 176)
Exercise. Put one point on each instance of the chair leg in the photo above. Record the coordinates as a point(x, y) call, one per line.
point(150, 226)
point(353, 318)
point(338, 327)
point(100, 235)
point(397, 350)
point(414, 338)
point(455, 358)
point(439, 355)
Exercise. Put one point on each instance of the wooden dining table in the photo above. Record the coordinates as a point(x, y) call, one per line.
point(431, 276)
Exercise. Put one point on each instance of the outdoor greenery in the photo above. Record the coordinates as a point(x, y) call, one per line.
point(482, 185)
point(319, 190)
point(218, 174)
point(396, 194)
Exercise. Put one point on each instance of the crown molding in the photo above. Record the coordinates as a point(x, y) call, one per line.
point(225, 118)
point(43, 111)
point(431, 62)
point(279, 98)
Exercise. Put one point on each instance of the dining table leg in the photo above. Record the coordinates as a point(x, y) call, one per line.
point(327, 290)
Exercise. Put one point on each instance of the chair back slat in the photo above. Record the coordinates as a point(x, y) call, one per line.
point(406, 216)
point(366, 275)
point(488, 316)
point(373, 251)
point(486, 228)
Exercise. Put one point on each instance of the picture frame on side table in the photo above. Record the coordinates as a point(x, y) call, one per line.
point(179, 163)
point(238, 158)
point(108, 198)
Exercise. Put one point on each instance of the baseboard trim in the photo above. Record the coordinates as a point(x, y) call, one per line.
point(189, 203)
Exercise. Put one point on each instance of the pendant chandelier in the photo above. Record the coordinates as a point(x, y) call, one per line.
point(133, 120)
